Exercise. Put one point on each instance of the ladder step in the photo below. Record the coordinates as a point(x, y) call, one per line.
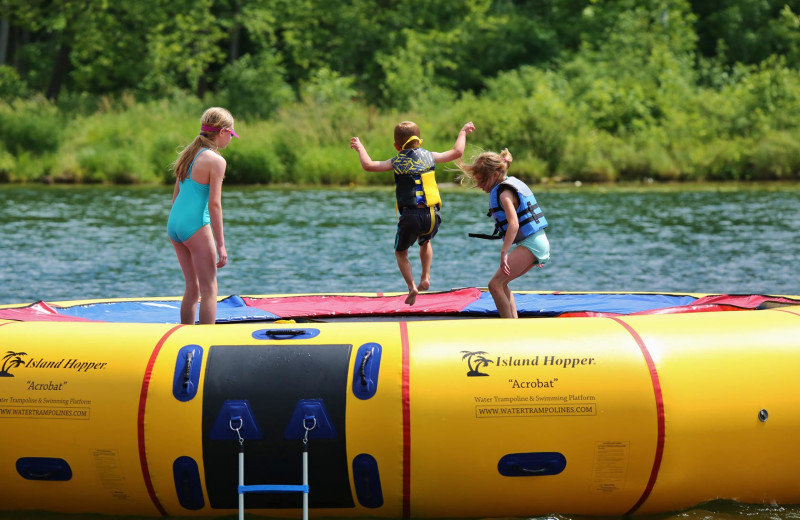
point(273, 489)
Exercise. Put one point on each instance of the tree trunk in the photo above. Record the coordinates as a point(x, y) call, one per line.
point(60, 68)
point(234, 48)
point(3, 40)
point(202, 86)
point(233, 53)
point(21, 39)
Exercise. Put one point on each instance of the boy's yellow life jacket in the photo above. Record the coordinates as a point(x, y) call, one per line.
point(415, 179)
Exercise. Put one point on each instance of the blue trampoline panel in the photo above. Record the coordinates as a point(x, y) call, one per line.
point(230, 309)
point(555, 304)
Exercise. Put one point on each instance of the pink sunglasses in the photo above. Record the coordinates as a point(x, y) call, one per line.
point(206, 128)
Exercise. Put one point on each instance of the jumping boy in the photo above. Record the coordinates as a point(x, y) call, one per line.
point(418, 199)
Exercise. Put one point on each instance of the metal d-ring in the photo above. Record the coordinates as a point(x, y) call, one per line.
point(313, 425)
point(241, 423)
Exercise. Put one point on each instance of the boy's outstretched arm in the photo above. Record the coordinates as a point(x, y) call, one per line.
point(366, 162)
point(458, 147)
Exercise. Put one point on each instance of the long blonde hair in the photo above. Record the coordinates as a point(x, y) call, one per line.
point(216, 117)
point(486, 165)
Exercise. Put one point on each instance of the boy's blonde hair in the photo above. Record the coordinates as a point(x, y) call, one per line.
point(217, 117)
point(403, 132)
point(486, 165)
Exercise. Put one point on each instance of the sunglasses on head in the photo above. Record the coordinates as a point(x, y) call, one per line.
point(206, 128)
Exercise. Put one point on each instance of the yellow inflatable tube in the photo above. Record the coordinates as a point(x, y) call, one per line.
point(445, 418)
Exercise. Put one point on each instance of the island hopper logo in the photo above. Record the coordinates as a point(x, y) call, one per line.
point(476, 360)
point(11, 360)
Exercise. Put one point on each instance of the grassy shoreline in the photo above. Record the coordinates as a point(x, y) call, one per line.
point(131, 143)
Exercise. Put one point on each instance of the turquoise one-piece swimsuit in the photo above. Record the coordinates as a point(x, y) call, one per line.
point(190, 210)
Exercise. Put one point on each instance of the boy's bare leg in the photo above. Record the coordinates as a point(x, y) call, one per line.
point(426, 258)
point(408, 275)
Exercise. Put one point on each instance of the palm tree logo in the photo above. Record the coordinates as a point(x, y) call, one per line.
point(11, 360)
point(479, 361)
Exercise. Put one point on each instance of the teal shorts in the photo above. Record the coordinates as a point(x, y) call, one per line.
point(537, 244)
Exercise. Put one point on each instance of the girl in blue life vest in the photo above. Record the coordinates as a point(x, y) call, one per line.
point(518, 220)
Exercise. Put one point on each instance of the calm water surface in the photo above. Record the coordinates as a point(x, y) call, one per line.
point(64, 243)
point(718, 510)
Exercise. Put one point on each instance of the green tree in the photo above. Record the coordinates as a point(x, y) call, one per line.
point(748, 31)
point(254, 86)
point(47, 57)
point(641, 48)
point(183, 46)
point(110, 48)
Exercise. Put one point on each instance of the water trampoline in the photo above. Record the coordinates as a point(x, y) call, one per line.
point(590, 404)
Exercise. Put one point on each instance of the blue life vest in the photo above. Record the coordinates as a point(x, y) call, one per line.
point(415, 178)
point(530, 216)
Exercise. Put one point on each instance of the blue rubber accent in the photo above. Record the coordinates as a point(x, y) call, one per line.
point(556, 304)
point(240, 415)
point(367, 481)
point(535, 464)
point(186, 475)
point(231, 309)
point(283, 334)
point(273, 489)
point(43, 468)
point(187, 372)
point(305, 413)
point(365, 372)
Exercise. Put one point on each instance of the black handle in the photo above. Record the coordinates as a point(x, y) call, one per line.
point(363, 368)
point(279, 333)
point(187, 371)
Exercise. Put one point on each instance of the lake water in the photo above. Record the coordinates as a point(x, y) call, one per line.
point(717, 510)
point(66, 242)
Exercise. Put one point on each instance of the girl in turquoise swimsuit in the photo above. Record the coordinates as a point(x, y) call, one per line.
point(195, 220)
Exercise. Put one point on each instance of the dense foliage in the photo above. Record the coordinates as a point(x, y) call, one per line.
point(593, 90)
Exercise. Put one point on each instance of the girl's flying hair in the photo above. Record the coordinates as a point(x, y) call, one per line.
point(485, 165)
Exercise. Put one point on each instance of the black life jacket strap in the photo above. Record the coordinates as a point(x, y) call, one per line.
point(485, 236)
point(532, 209)
point(497, 234)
